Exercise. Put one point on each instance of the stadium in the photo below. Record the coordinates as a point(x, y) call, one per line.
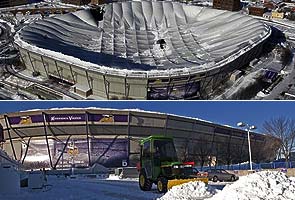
point(142, 49)
point(110, 137)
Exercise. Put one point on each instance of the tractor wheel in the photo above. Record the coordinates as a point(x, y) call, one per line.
point(232, 178)
point(215, 179)
point(144, 183)
point(162, 183)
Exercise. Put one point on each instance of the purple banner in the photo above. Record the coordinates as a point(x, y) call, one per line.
point(174, 92)
point(26, 119)
point(107, 118)
point(65, 117)
point(68, 118)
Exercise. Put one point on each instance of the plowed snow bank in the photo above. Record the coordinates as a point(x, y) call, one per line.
point(262, 185)
point(190, 191)
point(266, 185)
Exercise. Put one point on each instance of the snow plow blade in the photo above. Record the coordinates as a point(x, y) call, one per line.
point(175, 182)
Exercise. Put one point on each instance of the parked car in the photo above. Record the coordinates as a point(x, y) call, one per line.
point(199, 173)
point(221, 175)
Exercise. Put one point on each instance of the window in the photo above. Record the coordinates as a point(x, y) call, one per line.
point(146, 153)
point(165, 150)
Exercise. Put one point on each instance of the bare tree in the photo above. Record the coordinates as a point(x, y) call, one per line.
point(284, 129)
point(194, 150)
point(267, 150)
point(183, 153)
point(201, 151)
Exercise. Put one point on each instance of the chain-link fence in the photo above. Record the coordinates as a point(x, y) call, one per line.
point(255, 166)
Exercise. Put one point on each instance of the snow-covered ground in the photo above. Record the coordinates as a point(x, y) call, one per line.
point(264, 185)
point(85, 188)
point(112, 188)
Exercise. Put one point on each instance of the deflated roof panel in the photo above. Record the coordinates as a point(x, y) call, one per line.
point(145, 35)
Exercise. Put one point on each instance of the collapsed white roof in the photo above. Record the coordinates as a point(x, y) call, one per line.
point(146, 35)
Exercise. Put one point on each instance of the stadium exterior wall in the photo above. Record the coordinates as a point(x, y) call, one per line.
point(111, 137)
point(95, 84)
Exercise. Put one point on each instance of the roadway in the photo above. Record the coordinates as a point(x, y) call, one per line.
point(288, 80)
point(43, 84)
point(287, 83)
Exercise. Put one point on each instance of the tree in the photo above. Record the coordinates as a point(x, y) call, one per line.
point(194, 150)
point(286, 56)
point(284, 129)
point(201, 151)
point(266, 150)
point(183, 153)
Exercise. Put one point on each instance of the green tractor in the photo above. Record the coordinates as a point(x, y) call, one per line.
point(159, 165)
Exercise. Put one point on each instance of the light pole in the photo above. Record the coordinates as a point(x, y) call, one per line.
point(248, 128)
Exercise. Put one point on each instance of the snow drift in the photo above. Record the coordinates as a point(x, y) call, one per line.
point(189, 191)
point(262, 185)
point(267, 185)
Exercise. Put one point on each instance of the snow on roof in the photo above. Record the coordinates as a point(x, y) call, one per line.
point(9, 24)
point(113, 109)
point(126, 40)
point(130, 109)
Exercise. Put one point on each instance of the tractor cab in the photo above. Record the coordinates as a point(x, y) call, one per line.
point(159, 165)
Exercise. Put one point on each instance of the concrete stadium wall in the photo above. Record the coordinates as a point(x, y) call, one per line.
point(107, 86)
point(194, 139)
point(103, 85)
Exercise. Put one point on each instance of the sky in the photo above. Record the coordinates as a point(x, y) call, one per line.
point(222, 112)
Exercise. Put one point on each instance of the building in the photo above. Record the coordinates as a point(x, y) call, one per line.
point(267, 15)
point(291, 16)
point(111, 137)
point(126, 60)
point(236, 75)
point(77, 2)
point(98, 2)
point(10, 3)
point(277, 15)
point(231, 5)
point(5, 3)
point(270, 5)
point(257, 10)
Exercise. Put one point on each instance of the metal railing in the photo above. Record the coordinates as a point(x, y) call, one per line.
point(246, 166)
point(6, 159)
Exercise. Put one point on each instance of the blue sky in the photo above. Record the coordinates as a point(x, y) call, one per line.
point(223, 112)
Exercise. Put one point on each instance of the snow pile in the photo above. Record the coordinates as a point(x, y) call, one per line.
point(268, 185)
point(113, 177)
point(99, 169)
point(261, 185)
point(188, 191)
